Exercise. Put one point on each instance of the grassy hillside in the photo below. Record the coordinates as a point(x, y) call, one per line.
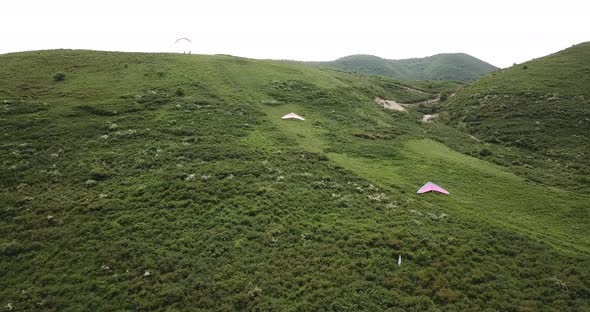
point(541, 108)
point(448, 66)
point(169, 182)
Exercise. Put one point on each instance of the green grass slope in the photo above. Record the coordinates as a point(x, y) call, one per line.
point(169, 182)
point(541, 107)
point(459, 67)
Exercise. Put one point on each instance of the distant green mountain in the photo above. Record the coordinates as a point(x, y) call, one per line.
point(541, 106)
point(447, 66)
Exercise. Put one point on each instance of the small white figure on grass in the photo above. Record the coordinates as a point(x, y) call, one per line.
point(399, 260)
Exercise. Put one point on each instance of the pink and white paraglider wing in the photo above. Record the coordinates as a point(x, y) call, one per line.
point(431, 187)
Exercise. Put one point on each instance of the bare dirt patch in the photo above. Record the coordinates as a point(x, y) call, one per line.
point(429, 118)
point(389, 104)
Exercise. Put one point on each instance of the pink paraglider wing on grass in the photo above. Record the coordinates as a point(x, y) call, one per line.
point(431, 187)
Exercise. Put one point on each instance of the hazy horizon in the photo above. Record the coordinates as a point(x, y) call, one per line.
point(500, 33)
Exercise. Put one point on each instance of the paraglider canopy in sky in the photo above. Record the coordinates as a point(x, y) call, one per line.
point(183, 44)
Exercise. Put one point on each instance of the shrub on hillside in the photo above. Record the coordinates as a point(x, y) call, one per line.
point(90, 183)
point(444, 96)
point(59, 77)
point(444, 117)
point(271, 102)
point(446, 296)
point(461, 126)
point(484, 152)
point(96, 110)
point(99, 174)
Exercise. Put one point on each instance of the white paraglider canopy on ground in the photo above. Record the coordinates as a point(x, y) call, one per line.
point(292, 116)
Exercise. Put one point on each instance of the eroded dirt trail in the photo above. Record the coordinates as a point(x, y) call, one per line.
point(390, 104)
point(393, 105)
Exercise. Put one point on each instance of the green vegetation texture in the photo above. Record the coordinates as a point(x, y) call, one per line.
point(169, 182)
point(540, 108)
point(459, 67)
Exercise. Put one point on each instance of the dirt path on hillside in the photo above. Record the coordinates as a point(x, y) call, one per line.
point(390, 104)
point(393, 105)
point(431, 101)
point(412, 89)
point(401, 107)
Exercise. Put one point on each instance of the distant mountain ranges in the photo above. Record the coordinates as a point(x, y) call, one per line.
point(459, 67)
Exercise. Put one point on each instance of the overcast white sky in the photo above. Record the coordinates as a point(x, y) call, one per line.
point(499, 32)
